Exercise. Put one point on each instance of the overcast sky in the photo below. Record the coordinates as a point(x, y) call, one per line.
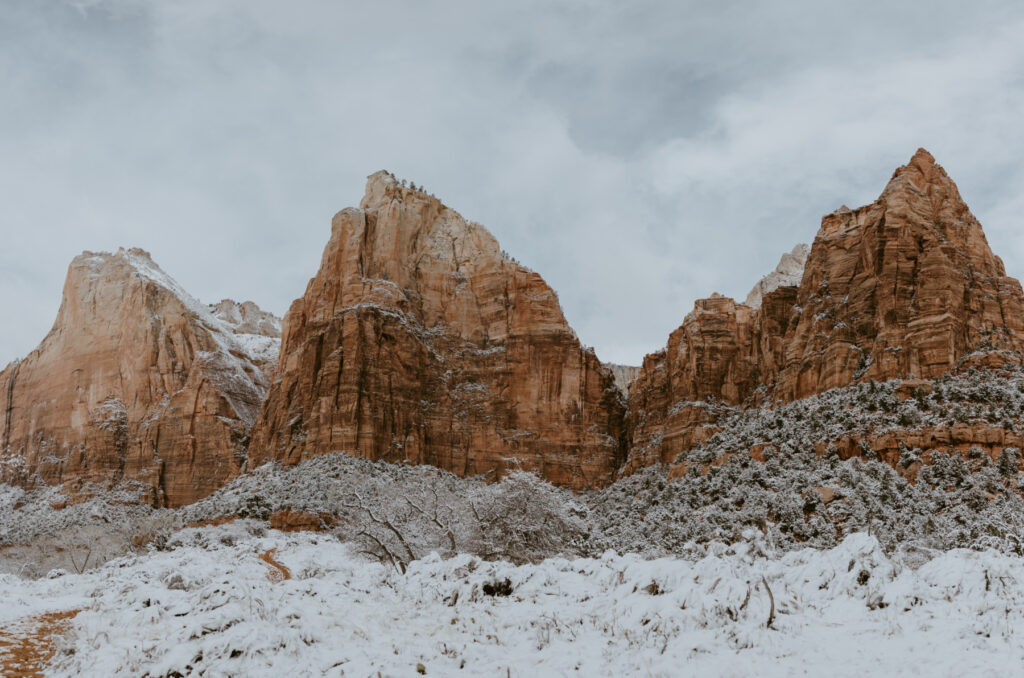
point(638, 155)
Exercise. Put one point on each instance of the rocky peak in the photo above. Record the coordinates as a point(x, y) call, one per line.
point(247, 318)
point(918, 174)
point(624, 375)
point(137, 382)
point(788, 272)
point(904, 288)
point(418, 340)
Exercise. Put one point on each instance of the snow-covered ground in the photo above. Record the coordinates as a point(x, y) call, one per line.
point(208, 606)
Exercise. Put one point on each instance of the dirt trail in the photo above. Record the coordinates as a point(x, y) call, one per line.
point(26, 645)
point(281, 572)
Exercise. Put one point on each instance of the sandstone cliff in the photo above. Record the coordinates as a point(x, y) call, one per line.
point(137, 383)
point(419, 341)
point(905, 287)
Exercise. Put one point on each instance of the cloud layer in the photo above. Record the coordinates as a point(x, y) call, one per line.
point(639, 155)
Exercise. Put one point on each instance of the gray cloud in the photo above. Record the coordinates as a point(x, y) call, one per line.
point(639, 155)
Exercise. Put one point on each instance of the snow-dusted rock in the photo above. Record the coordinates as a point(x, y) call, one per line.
point(137, 381)
point(624, 375)
point(788, 273)
point(906, 287)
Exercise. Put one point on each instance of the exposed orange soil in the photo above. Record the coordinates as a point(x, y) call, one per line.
point(280, 573)
point(26, 645)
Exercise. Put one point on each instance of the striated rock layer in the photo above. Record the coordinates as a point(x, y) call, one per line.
point(419, 341)
point(905, 287)
point(136, 383)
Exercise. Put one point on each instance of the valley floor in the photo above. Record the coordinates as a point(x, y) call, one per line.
point(238, 600)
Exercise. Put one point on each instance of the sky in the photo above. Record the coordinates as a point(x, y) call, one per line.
point(638, 155)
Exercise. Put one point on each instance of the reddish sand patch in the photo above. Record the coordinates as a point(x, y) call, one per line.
point(26, 645)
point(280, 572)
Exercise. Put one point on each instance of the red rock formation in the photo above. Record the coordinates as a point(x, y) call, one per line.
point(905, 287)
point(418, 340)
point(136, 383)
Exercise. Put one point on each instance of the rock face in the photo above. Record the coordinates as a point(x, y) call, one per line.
point(905, 287)
point(418, 340)
point(137, 383)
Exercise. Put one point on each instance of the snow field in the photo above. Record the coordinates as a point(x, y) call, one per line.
point(207, 606)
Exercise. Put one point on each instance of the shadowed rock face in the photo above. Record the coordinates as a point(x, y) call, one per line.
point(419, 341)
point(136, 382)
point(905, 287)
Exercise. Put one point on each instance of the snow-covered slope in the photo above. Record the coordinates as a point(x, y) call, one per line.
point(210, 606)
point(238, 328)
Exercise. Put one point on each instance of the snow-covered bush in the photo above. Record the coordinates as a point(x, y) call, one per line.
point(400, 513)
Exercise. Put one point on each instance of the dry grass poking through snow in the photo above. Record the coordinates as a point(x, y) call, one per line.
point(204, 606)
point(26, 645)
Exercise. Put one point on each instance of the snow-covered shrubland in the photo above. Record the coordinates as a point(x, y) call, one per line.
point(40, 531)
point(798, 564)
point(45, 510)
point(205, 606)
point(948, 507)
point(955, 502)
point(398, 514)
point(975, 397)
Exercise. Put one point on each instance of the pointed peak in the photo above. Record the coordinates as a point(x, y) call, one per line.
point(920, 172)
point(922, 158)
point(381, 176)
point(98, 269)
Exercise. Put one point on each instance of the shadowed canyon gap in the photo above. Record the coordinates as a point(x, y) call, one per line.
point(419, 340)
